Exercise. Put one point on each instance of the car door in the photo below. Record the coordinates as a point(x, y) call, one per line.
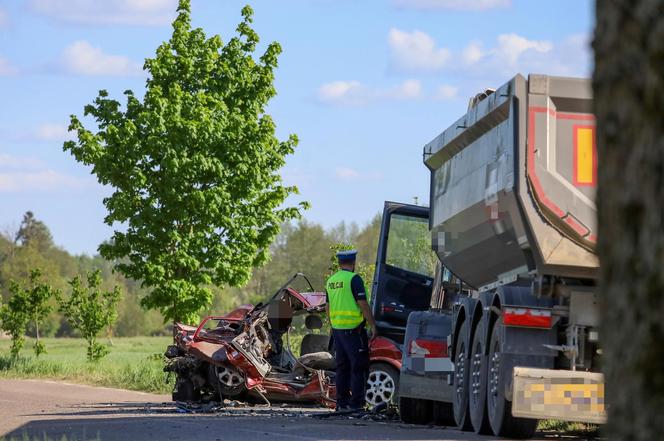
point(405, 266)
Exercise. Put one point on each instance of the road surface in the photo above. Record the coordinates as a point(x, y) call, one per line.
point(53, 409)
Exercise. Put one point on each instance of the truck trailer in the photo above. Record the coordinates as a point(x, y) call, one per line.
point(512, 335)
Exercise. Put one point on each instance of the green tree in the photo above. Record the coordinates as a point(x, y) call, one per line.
point(89, 310)
point(37, 297)
point(366, 241)
point(34, 233)
point(193, 165)
point(14, 317)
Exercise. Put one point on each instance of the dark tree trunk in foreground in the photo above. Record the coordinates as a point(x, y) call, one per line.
point(629, 104)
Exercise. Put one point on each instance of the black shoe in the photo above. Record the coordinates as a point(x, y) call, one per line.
point(356, 412)
point(342, 409)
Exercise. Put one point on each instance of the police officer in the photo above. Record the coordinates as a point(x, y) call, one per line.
point(349, 312)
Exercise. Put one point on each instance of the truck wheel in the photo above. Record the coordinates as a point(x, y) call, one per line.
point(382, 384)
point(460, 394)
point(477, 382)
point(499, 408)
point(415, 411)
point(443, 414)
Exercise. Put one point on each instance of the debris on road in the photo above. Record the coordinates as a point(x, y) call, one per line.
point(381, 413)
point(210, 407)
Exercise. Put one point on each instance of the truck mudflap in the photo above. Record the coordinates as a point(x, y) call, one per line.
point(426, 367)
point(558, 394)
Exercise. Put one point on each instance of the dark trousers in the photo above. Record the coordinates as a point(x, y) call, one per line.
point(352, 358)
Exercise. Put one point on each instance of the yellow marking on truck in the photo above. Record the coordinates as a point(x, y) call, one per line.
point(579, 397)
point(558, 394)
point(585, 160)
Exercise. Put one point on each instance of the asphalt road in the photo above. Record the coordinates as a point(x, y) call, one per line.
point(52, 409)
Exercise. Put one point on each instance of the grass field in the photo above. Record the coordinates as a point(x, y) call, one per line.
point(134, 363)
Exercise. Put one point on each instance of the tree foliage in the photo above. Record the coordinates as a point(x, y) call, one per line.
point(193, 167)
point(27, 304)
point(89, 310)
point(300, 246)
point(409, 245)
point(14, 318)
point(33, 233)
point(19, 257)
point(37, 298)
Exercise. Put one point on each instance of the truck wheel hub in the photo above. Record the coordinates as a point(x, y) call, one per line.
point(460, 367)
point(476, 370)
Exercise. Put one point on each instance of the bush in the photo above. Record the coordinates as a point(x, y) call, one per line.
point(89, 310)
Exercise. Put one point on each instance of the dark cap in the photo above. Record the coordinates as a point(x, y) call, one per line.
point(346, 255)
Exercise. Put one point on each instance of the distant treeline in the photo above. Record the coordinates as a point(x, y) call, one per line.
point(300, 247)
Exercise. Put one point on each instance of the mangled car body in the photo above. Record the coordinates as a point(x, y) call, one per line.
point(246, 354)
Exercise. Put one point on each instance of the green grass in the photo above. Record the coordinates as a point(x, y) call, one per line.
point(134, 363)
point(568, 427)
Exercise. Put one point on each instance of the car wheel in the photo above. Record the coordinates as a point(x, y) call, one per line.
point(499, 408)
point(226, 380)
point(415, 411)
point(477, 383)
point(382, 384)
point(460, 394)
point(443, 414)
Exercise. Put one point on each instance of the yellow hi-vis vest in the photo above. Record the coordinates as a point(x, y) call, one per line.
point(344, 312)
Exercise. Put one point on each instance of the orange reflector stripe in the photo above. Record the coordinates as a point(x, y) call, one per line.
point(528, 317)
point(584, 155)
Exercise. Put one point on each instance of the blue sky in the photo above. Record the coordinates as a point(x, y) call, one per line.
point(363, 83)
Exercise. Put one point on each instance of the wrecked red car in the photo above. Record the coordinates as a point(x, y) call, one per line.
point(247, 355)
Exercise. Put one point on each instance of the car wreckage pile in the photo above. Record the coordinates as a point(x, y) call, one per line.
point(242, 355)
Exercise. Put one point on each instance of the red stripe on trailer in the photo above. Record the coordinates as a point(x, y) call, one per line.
point(532, 174)
point(582, 117)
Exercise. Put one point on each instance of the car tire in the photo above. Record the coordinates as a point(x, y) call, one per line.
point(382, 385)
point(499, 409)
point(443, 414)
point(460, 388)
point(226, 381)
point(477, 382)
point(415, 411)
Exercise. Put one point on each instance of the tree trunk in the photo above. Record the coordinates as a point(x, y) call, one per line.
point(629, 105)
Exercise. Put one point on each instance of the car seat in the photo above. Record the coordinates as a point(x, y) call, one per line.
point(314, 342)
point(314, 349)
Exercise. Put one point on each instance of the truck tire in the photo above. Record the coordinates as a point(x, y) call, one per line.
point(443, 414)
point(415, 411)
point(498, 407)
point(477, 382)
point(460, 392)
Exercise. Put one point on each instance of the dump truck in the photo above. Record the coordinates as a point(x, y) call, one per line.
point(512, 335)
